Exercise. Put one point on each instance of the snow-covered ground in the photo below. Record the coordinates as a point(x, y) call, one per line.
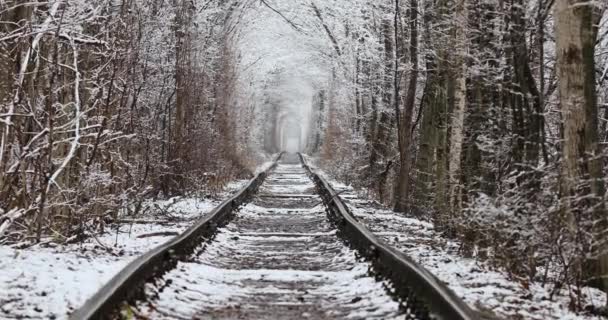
point(50, 281)
point(492, 292)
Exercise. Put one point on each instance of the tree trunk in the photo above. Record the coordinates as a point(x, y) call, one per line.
point(380, 145)
point(582, 188)
point(460, 98)
point(405, 122)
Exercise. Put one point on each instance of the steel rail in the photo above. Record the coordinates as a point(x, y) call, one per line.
point(129, 282)
point(412, 282)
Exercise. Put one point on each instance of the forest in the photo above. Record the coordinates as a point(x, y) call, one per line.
point(487, 118)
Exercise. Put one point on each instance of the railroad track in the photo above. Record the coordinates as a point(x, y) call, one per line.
point(293, 252)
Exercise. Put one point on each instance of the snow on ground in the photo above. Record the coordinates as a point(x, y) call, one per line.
point(484, 288)
point(44, 283)
point(49, 281)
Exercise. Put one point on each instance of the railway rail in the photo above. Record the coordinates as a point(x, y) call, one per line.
point(284, 247)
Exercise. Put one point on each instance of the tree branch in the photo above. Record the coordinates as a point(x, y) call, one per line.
point(327, 31)
point(293, 25)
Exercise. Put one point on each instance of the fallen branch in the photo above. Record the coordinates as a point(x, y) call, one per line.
point(7, 220)
point(330, 199)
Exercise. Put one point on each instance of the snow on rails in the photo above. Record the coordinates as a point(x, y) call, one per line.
point(293, 251)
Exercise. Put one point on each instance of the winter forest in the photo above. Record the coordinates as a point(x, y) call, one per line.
point(487, 119)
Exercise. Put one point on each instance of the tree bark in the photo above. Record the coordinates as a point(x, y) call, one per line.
point(380, 143)
point(460, 98)
point(405, 122)
point(582, 188)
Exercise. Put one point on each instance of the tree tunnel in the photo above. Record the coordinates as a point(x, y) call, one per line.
point(290, 132)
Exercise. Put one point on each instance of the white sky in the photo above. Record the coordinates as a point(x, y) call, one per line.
point(268, 43)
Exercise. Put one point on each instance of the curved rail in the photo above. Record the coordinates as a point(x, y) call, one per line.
point(129, 282)
point(411, 281)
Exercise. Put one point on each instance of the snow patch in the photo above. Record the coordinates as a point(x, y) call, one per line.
point(52, 281)
point(486, 289)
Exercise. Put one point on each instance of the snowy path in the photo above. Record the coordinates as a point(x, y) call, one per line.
point(278, 259)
